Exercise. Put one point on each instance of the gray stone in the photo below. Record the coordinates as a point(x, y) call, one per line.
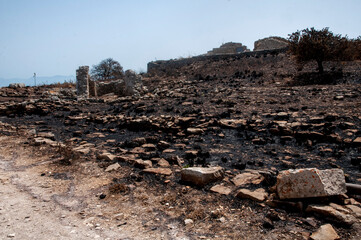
point(325, 232)
point(133, 83)
point(201, 176)
point(82, 81)
point(188, 221)
point(16, 85)
point(310, 182)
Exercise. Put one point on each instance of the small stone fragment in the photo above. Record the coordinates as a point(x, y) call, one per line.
point(160, 171)
point(188, 221)
point(325, 232)
point(201, 176)
point(112, 167)
point(221, 189)
point(247, 178)
point(258, 195)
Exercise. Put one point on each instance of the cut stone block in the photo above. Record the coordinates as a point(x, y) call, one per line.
point(201, 176)
point(310, 182)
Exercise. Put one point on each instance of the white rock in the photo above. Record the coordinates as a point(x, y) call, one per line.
point(188, 221)
point(310, 182)
point(201, 176)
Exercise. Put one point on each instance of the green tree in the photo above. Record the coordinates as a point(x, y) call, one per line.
point(107, 69)
point(316, 45)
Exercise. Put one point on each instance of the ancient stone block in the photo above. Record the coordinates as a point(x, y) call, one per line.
point(82, 81)
point(201, 176)
point(310, 182)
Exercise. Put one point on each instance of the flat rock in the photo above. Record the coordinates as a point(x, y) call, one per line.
point(201, 176)
point(310, 182)
point(196, 131)
point(163, 163)
point(330, 212)
point(258, 195)
point(160, 171)
point(107, 156)
point(221, 189)
point(232, 123)
point(112, 167)
point(247, 178)
point(325, 232)
point(357, 141)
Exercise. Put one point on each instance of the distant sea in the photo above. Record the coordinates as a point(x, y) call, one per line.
point(4, 82)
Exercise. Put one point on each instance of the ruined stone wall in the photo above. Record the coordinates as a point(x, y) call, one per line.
point(270, 43)
point(229, 48)
point(262, 66)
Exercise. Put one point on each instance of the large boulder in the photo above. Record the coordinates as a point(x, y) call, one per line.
point(310, 182)
point(202, 176)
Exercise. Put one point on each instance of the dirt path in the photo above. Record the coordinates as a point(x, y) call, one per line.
point(29, 214)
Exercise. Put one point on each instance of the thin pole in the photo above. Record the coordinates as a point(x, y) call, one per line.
point(35, 79)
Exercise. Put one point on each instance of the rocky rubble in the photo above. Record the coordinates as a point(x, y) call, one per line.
point(183, 128)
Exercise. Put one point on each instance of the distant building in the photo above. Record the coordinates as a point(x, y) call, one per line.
point(270, 43)
point(228, 48)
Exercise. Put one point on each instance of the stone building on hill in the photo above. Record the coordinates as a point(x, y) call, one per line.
point(228, 48)
point(270, 43)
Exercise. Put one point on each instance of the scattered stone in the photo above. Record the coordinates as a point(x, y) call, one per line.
point(11, 235)
point(196, 131)
point(160, 171)
point(112, 167)
point(232, 123)
point(325, 232)
point(188, 221)
point(258, 195)
point(163, 163)
point(139, 163)
point(333, 214)
point(202, 176)
point(107, 157)
point(247, 178)
point(310, 182)
point(221, 189)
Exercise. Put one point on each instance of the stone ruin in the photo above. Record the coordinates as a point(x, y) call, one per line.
point(82, 81)
point(228, 48)
point(270, 43)
point(129, 86)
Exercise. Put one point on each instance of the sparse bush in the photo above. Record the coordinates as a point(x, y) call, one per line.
point(107, 69)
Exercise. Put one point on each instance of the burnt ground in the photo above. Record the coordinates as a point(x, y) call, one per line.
point(226, 122)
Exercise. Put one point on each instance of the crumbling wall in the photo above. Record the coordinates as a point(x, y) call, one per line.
point(82, 81)
point(270, 43)
point(228, 48)
point(130, 85)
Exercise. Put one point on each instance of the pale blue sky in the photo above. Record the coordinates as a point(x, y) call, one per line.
point(54, 37)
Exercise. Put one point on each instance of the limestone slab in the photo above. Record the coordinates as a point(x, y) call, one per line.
point(310, 182)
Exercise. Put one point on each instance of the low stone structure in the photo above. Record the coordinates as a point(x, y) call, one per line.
point(16, 85)
point(130, 85)
point(82, 81)
point(270, 43)
point(228, 48)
